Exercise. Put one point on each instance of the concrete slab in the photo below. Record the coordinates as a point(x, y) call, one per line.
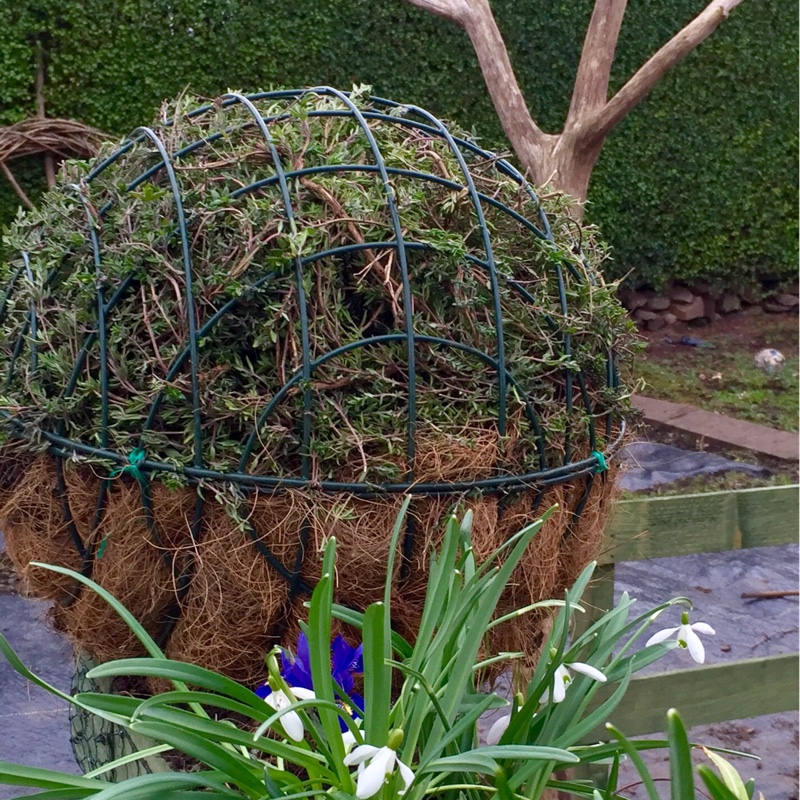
point(34, 724)
point(719, 428)
point(745, 629)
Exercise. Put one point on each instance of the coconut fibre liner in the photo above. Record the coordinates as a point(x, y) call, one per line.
point(261, 322)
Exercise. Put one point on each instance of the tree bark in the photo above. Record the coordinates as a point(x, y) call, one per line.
point(528, 141)
point(49, 161)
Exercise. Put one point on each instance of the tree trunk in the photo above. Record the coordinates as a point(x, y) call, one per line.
point(568, 165)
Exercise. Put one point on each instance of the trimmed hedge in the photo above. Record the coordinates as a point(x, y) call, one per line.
point(698, 182)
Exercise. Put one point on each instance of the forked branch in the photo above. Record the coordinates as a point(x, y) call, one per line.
point(674, 51)
point(568, 158)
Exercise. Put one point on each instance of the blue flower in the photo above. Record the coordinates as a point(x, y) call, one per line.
point(346, 661)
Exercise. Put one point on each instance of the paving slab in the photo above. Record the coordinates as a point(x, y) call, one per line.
point(719, 428)
point(745, 629)
point(34, 723)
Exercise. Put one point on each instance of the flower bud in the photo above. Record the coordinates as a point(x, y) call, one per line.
point(395, 739)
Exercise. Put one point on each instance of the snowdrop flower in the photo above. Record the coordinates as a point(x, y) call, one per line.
point(292, 724)
point(687, 637)
point(562, 678)
point(383, 761)
point(348, 737)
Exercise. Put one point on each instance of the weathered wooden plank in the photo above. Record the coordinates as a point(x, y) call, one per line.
point(768, 516)
point(656, 527)
point(707, 694)
point(597, 599)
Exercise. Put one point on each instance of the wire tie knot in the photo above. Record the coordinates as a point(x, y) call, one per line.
point(602, 464)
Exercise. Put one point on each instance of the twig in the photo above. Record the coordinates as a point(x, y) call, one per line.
point(26, 201)
point(769, 595)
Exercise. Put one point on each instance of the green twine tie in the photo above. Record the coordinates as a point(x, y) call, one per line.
point(601, 465)
point(135, 460)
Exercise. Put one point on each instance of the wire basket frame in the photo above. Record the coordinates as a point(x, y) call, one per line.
point(605, 427)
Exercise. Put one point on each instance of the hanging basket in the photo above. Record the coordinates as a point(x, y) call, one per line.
point(265, 321)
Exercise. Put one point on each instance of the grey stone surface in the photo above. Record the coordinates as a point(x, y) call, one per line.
point(34, 723)
point(744, 629)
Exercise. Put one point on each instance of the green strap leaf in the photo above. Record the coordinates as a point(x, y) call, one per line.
point(680, 759)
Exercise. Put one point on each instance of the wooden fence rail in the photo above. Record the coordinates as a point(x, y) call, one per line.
point(686, 525)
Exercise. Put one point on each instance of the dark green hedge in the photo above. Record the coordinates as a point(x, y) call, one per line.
point(700, 181)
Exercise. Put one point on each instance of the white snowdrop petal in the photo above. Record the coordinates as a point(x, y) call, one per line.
point(695, 646)
point(406, 774)
point(293, 726)
point(559, 689)
point(661, 636)
point(302, 694)
point(497, 730)
point(360, 754)
point(703, 627)
point(372, 778)
point(272, 701)
point(588, 669)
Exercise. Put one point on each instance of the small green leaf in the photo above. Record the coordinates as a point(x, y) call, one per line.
point(729, 775)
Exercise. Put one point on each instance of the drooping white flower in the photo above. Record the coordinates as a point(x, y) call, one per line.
point(687, 637)
point(291, 722)
point(499, 727)
point(563, 678)
point(376, 764)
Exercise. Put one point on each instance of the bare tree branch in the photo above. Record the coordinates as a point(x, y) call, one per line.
point(590, 92)
point(674, 51)
point(476, 18)
point(454, 10)
point(26, 201)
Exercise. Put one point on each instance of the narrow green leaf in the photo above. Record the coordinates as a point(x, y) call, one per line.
point(356, 619)
point(717, 789)
point(473, 761)
point(141, 634)
point(530, 752)
point(243, 771)
point(377, 676)
point(637, 761)
point(180, 672)
point(20, 775)
point(164, 784)
point(18, 666)
point(393, 542)
point(729, 775)
point(59, 794)
point(131, 757)
point(681, 779)
point(319, 646)
point(204, 699)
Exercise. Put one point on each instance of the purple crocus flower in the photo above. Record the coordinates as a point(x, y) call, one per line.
point(346, 661)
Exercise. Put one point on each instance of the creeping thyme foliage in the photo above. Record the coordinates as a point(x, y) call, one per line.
point(114, 240)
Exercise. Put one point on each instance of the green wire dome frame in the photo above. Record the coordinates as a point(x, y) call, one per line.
point(605, 426)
